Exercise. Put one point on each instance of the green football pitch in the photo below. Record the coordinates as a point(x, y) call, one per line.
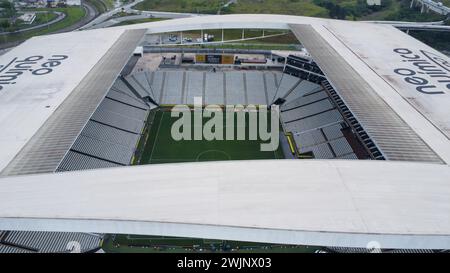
point(122, 243)
point(160, 147)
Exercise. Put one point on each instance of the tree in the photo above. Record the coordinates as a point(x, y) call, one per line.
point(4, 24)
point(8, 9)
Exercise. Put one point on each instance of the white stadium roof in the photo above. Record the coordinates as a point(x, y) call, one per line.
point(316, 202)
point(397, 87)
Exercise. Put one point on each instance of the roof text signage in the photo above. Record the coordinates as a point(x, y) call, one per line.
point(428, 72)
point(35, 65)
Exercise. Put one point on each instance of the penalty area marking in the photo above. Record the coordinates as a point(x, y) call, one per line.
point(156, 138)
point(208, 151)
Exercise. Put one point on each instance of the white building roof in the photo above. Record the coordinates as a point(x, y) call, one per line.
point(315, 202)
point(368, 48)
point(320, 202)
point(28, 100)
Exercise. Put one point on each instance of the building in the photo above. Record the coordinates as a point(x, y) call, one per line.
point(80, 107)
point(374, 2)
point(28, 17)
point(73, 2)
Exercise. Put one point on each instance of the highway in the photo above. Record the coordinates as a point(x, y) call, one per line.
point(143, 15)
point(107, 19)
point(91, 13)
point(427, 5)
point(107, 15)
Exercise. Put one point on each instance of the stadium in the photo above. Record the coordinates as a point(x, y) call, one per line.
point(363, 130)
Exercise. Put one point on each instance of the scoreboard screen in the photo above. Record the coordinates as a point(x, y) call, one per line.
point(214, 59)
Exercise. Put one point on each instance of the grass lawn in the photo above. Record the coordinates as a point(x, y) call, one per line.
point(138, 21)
point(253, 45)
point(189, 6)
point(40, 19)
point(236, 34)
point(158, 146)
point(162, 148)
point(282, 41)
point(393, 9)
point(73, 15)
point(348, 9)
point(297, 7)
point(109, 3)
point(150, 244)
point(229, 34)
point(100, 5)
point(44, 18)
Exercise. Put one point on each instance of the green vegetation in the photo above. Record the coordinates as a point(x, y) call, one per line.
point(100, 5)
point(254, 45)
point(41, 18)
point(350, 9)
point(436, 39)
point(317, 8)
point(278, 36)
point(7, 9)
point(189, 6)
point(155, 244)
point(340, 9)
point(236, 34)
point(291, 7)
point(109, 3)
point(288, 38)
point(138, 21)
point(122, 14)
point(160, 147)
point(45, 17)
point(297, 7)
point(282, 41)
point(399, 10)
point(391, 10)
point(73, 15)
